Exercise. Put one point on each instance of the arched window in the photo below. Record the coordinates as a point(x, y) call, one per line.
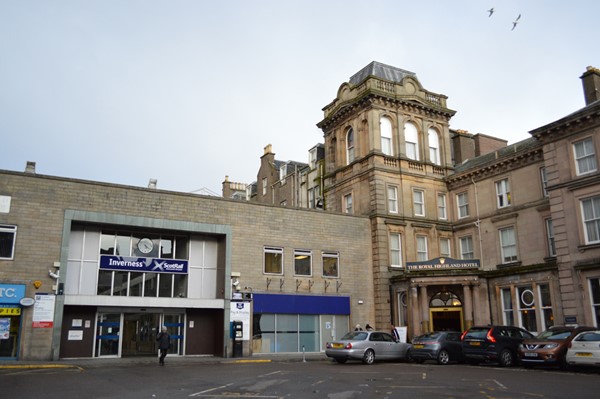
point(411, 138)
point(385, 127)
point(444, 299)
point(434, 146)
point(350, 145)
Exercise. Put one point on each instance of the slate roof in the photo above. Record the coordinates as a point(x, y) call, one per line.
point(504, 152)
point(383, 71)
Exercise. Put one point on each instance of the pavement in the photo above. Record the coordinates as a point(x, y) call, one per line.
point(85, 363)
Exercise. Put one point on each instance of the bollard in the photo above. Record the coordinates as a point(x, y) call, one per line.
point(303, 355)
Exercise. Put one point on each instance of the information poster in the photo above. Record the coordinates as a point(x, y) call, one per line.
point(4, 328)
point(240, 311)
point(43, 311)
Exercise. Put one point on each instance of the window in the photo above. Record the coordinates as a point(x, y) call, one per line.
point(595, 298)
point(507, 308)
point(546, 306)
point(392, 199)
point(311, 198)
point(385, 126)
point(312, 158)
point(590, 209)
point(8, 235)
point(508, 245)
point(395, 250)
point(273, 260)
point(526, 301)
point(348, 203)
point(422, 249)
point(264, 186)
point(282, 173)
point(466, 247)
point(411, 138)
point(302, 263)
point(441, 206)
point(585, 156)
point(544, 179)
point(503, 193)
point(462, 201)
point(445, 248)
point(350, 146)
point(550, 237)
point(419, 202)
point(331, 264)
point(434, 146)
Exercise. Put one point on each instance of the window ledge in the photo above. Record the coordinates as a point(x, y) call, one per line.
point(508, 265)
point(587, 247)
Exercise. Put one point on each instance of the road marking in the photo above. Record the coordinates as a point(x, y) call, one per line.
point(499, 384)
point(210, 390)
point(424, 376)
point(268, 374)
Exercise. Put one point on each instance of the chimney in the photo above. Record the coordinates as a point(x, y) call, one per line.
point(591, 85)
point(152, 183)
point(268, 149)
point(30, 167)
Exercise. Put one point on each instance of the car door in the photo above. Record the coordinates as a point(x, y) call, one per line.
point(454, 345)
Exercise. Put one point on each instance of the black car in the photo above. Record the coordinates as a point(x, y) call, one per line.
point(441, 346)
point(493, 343)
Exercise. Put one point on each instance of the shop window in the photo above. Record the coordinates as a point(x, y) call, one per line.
point(302, 263)
point(8, 236)
point(595, 298)
point(331, 264)
point(508, 315)
point(526, 308)
point(273, 260)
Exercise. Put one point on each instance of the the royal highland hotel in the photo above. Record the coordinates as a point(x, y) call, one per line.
point(395, 218)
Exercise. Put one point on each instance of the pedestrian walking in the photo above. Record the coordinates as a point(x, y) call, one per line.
point(164, 343)
point(395, 333)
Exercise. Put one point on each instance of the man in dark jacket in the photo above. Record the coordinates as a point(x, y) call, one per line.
point(164, 342)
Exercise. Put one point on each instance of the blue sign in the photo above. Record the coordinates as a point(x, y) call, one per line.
point(148, 265)
point(11, 293)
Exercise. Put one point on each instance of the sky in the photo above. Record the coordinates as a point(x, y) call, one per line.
point(190, 91)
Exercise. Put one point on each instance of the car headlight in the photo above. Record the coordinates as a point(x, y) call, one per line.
point(551, 346)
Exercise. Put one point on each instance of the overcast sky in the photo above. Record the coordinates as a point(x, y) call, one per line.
point(188, 92)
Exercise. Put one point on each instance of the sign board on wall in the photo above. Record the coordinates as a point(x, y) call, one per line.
point(43, 311)
point(151, 265)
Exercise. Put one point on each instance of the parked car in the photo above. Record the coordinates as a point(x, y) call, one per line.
point(584, 349)
point(441, 346)
point(493, 343)
point(549, 347)
point(367, 346)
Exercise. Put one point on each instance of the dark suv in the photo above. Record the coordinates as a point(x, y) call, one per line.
point(493, 343)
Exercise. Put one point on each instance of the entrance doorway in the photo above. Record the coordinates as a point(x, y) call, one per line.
point(139, 334)
point(446, 319)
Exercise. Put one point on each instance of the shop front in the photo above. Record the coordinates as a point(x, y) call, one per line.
point(11, 298)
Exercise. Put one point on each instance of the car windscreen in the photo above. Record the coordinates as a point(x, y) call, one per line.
point(555, 334)
point(477, 333)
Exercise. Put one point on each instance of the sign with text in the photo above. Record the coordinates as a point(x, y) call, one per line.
point(11, 293)
point(444, 264)
point(148, 265)
point(43, 311)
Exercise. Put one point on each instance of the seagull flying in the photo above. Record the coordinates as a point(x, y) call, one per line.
point(515, 22)
point(491, 11)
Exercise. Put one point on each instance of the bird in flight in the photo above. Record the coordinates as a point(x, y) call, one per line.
point(491, 11)
point(515, 22)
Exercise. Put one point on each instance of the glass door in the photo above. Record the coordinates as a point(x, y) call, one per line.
point(108, 331)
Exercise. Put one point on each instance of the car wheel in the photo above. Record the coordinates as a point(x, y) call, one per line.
point(369, 357)
point(443, 357)
point(506, 358)
point(341, 360)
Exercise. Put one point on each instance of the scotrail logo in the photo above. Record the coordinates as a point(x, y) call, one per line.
point(168, 267)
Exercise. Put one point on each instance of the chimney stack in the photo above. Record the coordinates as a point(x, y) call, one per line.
point(30, 167)
point(591, 85)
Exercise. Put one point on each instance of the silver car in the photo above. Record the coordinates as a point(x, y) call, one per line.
point(366, 346)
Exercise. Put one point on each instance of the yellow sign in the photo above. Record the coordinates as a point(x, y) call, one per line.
point(10, 311)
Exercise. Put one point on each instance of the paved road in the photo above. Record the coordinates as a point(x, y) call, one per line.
point(279, 379)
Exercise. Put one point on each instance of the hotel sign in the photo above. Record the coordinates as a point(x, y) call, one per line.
point(148, 265)
point(444, 264)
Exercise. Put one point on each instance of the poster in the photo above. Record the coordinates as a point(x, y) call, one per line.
point(43, 311)
point(4, 328)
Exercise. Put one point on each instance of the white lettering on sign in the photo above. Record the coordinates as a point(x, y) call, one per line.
point(7, 293)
